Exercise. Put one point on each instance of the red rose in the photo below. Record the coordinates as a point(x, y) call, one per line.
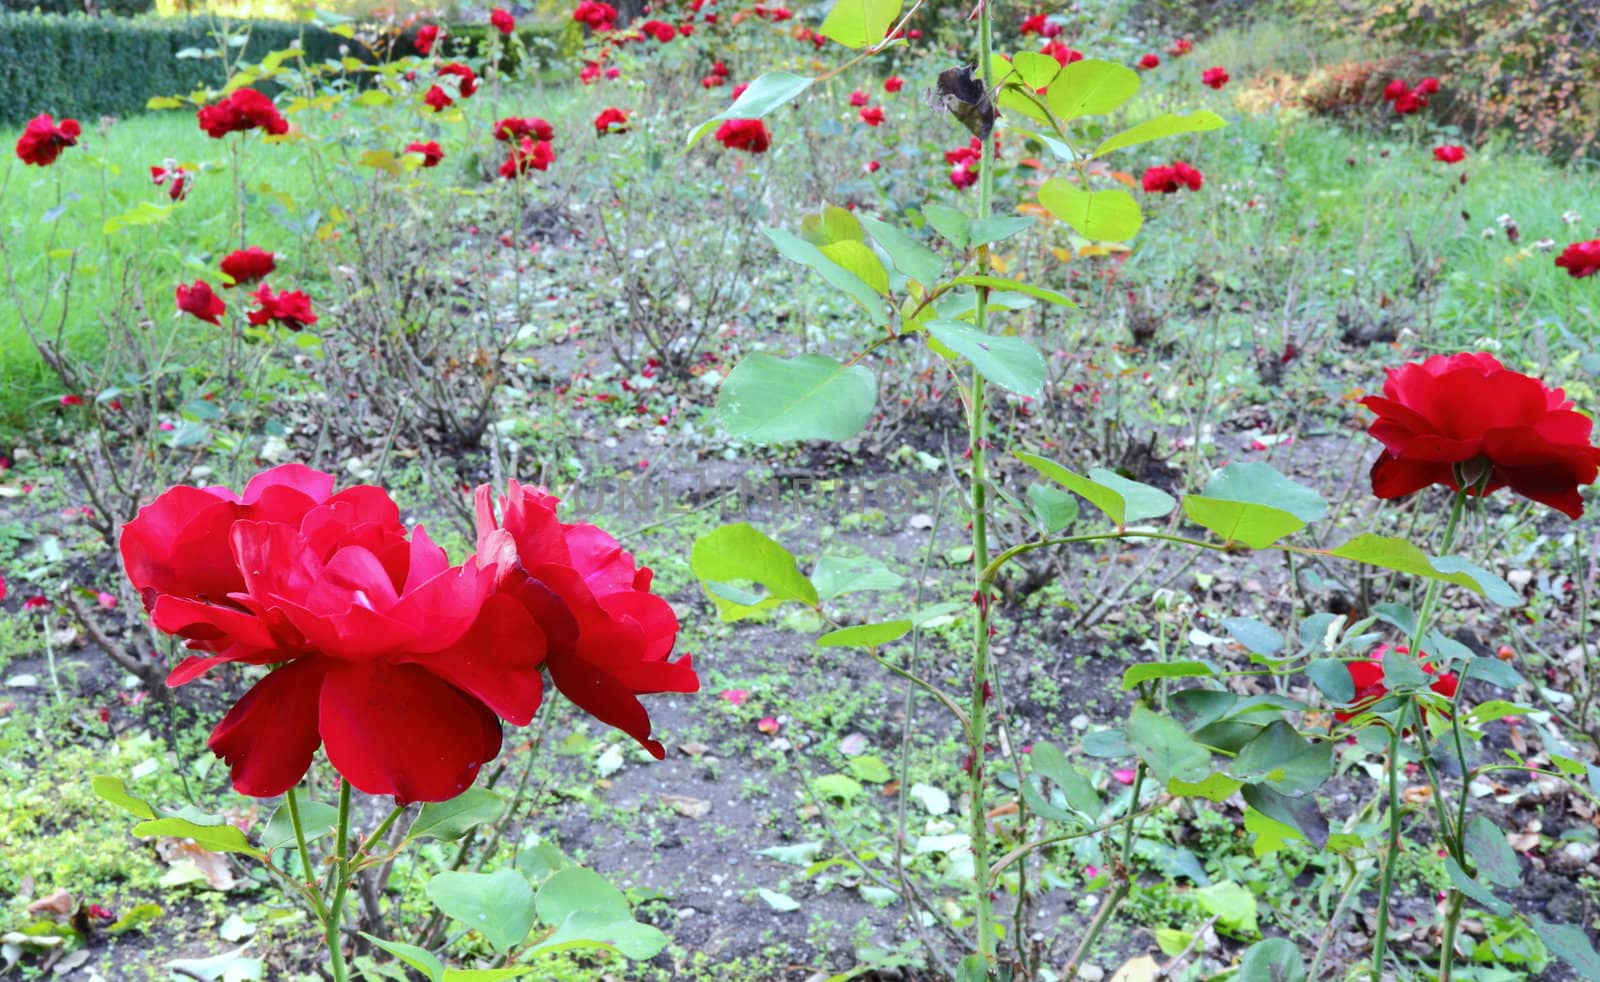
point(291, 308)
point(247, 265)
point(713, 81)
point(596, 16)
point(467, 78)
point(502, 20)
point(243, 109)
point(1409, 103)
point(1150, 61)
point(1428, 86)
point(773, 14)
point(437, 99)
point(608, 636)
point(43, 139)
point(661, 31)
point(431, 153)
point(893, 84)
point(1061, 53)
point(514, 128)
point(1396, 89)
point(1180, 47)
point(1467, 420)
point(1215, 77)
point(969, 154)
point(396, 662)
point(527, 155)
point(1580, 259)
point(872, 167)
point(859, 98)
point(872, 115)
point(750, 135)
point(719, 68)
point(590, 72)
point(201, 301)
point(738, 90)
point(1040, 24)
point(1367, 677)
point(612, 120)
point(964, 175)
point(1450, 153)
point(176, 179)
point(427, 35)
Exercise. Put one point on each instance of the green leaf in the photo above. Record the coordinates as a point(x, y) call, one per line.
point(1216, 787)
point(1475, 891)
point(870, 769)
point(984, 231)
point(836, 576)
point(1105, 216)
point(1134, 674)
point(1053, 508)
point(113, 789)
point(1397, 554)
point(1272, 960)
point(1161, 126)
point(909, 255)
point(865, 635)
point(163, 102)
point(1402, 670)
point(841, 278)
point(450, 820)
point(1284, 759)
point(954, 225)
point(1166, 747)
point(145, 213)
point(1233, 905)
point(1259, 638)
point(1015, 286)
point(1332, 679)
point(1008, 362)
point(1270, 835)
point(1046, 760)
point(1090, 87)
point(1255, 526)
point(588, 911)
point(420, 959)
point(135, 918)
point(497, 905)
point(1262, 484)
point(858, 259)
point(1571, 945)
point(858, 23)
point(769, 400)
point(740, 553)
point(759, 98)
point(1035, 69)
point(1298, 814)
point(1123, 501)
point(1107, 743)
point(839, 786)
point(216, 838)
point(1492, 854)
point(316, 820)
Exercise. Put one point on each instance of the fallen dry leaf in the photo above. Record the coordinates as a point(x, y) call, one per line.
point(694, 749)
point(1140, 969)
point(686, 806)
point(59, 904)
point(213, 866)
point(1417, 794)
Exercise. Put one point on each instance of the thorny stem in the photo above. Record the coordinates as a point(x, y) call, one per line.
point(977, 729)
point(1391, 857)
point(334, 916)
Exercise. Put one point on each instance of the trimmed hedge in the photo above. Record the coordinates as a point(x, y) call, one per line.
point(91, 66)
point(119, 8)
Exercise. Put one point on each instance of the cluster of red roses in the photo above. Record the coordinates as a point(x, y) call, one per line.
point(43, 139)
point(1367, 678)
point(873, 115)
point(291, 308)
point(1170, 178)
point(439, 98)
point(595, 15)
point(242, 109)
point(1040, 24)
point(1216, 77)
point(397, 663)
point(1408, 98)
point(718, 76)
point(963, 161)
point(530, 144)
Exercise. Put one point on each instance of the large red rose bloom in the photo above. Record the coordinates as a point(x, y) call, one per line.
point(1467, 418)
point(395, 661)
point(609, 637)
point(43, 139)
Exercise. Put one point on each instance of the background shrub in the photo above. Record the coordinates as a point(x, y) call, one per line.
point(119, 8)
point(90, 66)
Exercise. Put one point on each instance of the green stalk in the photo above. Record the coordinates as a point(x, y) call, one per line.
point(1380, 940)
point(977, 430)
point(335, 914)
